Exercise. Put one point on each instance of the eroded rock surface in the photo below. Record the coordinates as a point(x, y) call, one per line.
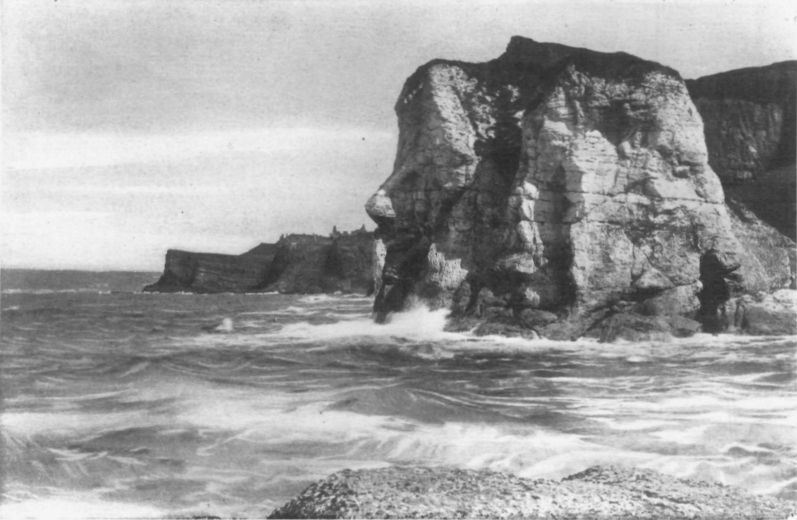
point(556, 179)
point(749, 117)
point(596, 493)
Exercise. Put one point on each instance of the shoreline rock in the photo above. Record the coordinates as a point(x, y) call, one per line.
point(600, 492)
point(566, 181)
point(297, 263)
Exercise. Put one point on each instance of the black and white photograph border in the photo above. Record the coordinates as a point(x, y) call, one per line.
point(408, 259)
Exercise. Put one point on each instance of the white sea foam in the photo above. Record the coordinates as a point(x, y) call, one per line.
point(71, 423)
point(418, 323)
point(268, 407)
point(339, 436)
point(76, 506)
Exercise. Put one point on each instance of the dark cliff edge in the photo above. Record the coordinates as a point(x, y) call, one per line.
point(750, 121)
point(562, 192)
point(599, 492)
point(295, 264)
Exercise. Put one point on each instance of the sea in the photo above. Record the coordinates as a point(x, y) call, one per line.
point(122, 404)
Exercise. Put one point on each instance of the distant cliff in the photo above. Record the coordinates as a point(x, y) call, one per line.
point(558, 191)
point(749, 117)
point(295, 264)
point(316, 264)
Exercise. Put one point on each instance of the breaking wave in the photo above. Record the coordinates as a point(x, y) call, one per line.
point(134, 405)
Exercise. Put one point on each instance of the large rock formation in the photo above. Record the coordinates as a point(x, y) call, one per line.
point(750, 128)
point(295, 264)
point(186, 271)
point(596, 493)
point(553, 188)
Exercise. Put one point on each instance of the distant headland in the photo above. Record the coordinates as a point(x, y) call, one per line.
point(296, 263)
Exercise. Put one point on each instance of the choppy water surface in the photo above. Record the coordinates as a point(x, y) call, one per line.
point(123, 404)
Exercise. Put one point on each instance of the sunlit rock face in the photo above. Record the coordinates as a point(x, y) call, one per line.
point(554, 179)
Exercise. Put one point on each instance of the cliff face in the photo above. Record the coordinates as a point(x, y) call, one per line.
point(212, 273)
point(553, 187)
point(295, 264)
point(750, 128)
point(315, 264)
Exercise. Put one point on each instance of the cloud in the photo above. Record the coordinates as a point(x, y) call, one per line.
point(101, 240)
point(119, 201)
point(42, 150)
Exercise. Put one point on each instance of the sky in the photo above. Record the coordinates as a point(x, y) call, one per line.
point(134, 126)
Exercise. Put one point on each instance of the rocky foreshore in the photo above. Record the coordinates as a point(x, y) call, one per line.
point(297, 263)
point(600, 492)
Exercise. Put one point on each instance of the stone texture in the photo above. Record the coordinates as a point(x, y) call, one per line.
point(750, 129)
point(295, 264)
point(559, 179)
point(773, 314)
point(596, 493)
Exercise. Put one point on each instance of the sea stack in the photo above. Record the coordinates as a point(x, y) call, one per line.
point(559, 192)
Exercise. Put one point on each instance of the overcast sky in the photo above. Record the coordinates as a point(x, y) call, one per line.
point(133, 126)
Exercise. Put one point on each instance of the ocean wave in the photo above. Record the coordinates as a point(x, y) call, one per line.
point(56, 291)
point(299, 388)
point(327, 298)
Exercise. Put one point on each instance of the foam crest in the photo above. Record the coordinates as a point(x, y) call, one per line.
point(418, 323)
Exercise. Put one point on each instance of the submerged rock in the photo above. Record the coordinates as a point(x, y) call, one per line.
point(596, 493)
point(562, 180)
point(772, 314)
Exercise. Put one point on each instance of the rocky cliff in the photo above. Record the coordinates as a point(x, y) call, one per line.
point(750, 128)
point(315, 264)
point(558, 191)
point(295, 264)
point(186, 271)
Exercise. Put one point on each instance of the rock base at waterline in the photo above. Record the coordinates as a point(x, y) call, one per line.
point(596, 493)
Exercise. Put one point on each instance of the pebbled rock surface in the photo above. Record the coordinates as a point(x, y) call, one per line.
point(749, 117)
point(596, 493)
point(563, 180)
point(295, 264)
